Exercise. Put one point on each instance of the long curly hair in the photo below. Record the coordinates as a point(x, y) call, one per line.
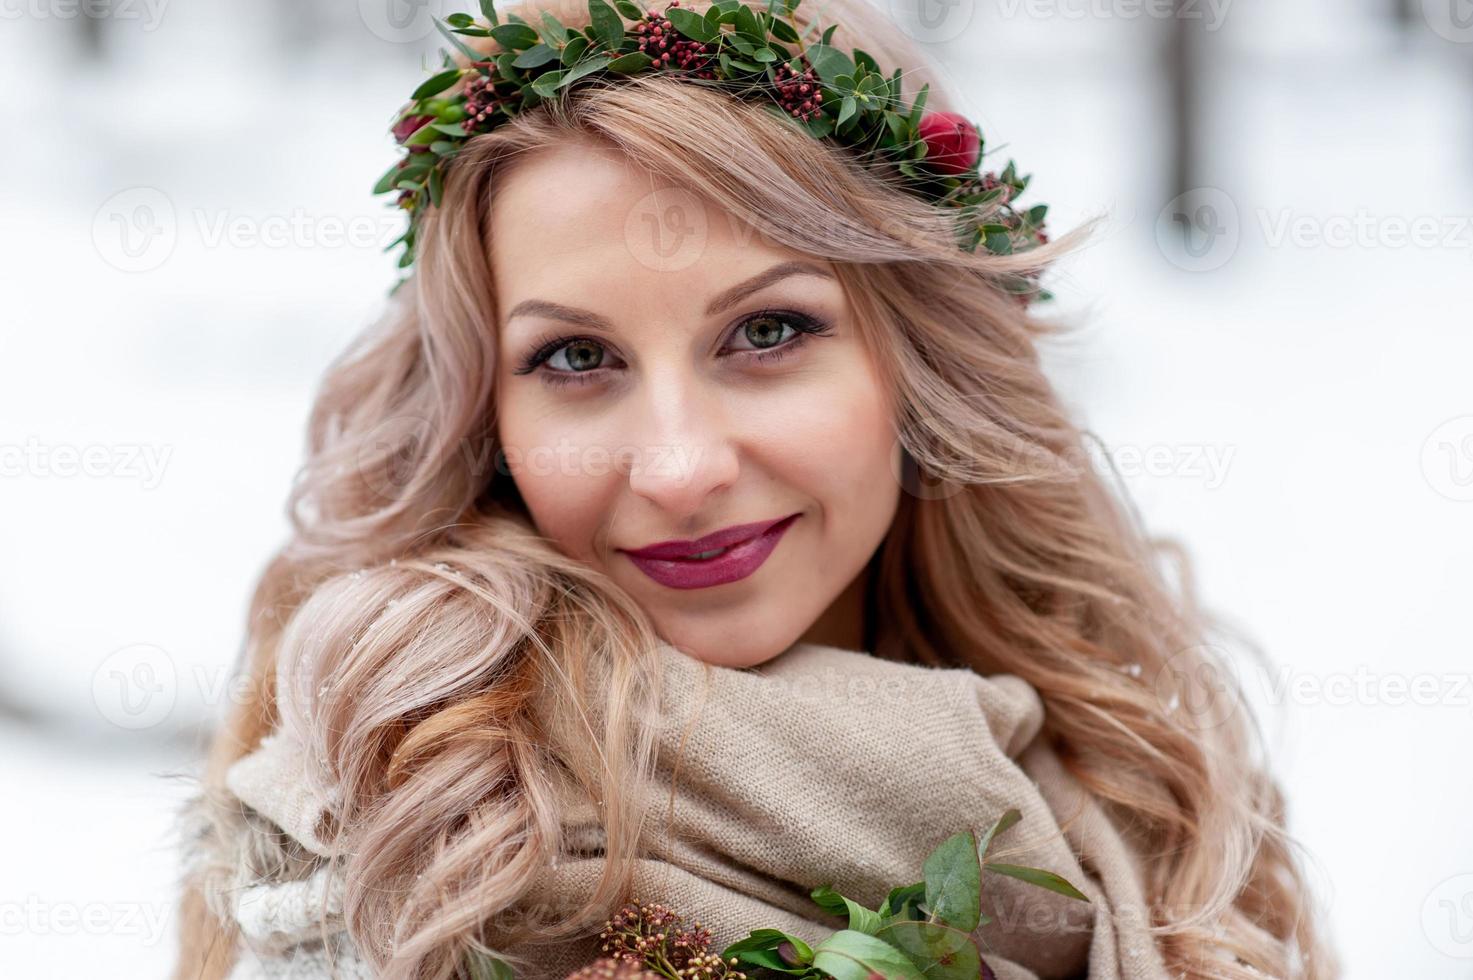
point(452, 674)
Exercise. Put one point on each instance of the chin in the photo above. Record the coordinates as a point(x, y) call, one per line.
point(722, 649)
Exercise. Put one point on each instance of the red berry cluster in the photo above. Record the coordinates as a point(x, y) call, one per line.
point(481, 101)
point(666, 46)
point(798, 94)
point(990, 181)
point(611, 969)
point(653, 933)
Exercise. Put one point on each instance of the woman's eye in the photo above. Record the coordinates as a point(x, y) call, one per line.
point(765, 330)
point(775, 334)
point(764, 336)
point(580, 355)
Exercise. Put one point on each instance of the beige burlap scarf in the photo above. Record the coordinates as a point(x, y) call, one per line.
point(822, 766)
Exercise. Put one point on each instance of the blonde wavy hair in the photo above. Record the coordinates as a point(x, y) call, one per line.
point(464, 651)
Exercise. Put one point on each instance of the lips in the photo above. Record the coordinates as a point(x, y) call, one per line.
point(724, 538)
point(742, 549)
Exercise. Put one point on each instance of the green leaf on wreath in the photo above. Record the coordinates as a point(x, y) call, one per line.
point(535, 57)
point(514, 37)
point(691, 24)
point(939, 951)
point(850, 955)
point(1037, 876)
point(861, 919)
point(954, 882)
point(607, 26)
point(588, 66)
point(436, 84)
point(547, 83)
point(1011, 816)
point(628, 64)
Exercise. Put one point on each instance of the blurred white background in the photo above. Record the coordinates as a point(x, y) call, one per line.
point(1278, 363)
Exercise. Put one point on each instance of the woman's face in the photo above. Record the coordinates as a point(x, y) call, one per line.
point(665, 376)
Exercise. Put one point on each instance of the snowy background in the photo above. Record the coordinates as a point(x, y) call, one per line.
point(1278, 362)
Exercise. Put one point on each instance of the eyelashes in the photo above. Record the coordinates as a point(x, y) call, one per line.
point(802, 325)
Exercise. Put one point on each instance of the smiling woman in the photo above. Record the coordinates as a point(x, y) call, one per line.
point(759, 427)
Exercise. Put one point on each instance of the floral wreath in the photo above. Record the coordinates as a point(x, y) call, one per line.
point(844, 98)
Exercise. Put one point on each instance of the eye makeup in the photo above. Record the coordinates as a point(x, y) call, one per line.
point(803, 326)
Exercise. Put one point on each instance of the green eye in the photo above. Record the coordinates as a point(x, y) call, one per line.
point(581, 355)
point(764, 331)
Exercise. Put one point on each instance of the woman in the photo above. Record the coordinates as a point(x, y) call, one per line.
point(679, 411)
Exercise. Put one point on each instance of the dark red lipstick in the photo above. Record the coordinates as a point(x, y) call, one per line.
point(727, 555)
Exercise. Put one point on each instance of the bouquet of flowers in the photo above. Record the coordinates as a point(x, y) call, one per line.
point(922, 931)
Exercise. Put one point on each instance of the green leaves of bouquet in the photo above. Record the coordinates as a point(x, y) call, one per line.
point(746, 51)
point(922, 931)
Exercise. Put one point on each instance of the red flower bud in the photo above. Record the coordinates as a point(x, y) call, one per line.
point(408, 126)
point(952, 142)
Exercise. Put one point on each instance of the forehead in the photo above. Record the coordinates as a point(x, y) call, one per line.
point(582, 224)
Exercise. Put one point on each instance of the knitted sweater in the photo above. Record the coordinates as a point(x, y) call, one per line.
point(821, 766)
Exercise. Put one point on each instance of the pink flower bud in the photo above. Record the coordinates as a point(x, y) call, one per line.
point(952, 142)
point(408, 126)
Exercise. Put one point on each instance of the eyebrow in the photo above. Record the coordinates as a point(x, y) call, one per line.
point(722, 301)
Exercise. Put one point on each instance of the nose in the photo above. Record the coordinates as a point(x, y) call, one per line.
point(685, 446)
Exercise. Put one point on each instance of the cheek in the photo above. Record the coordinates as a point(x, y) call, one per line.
point(835, 442)
point(568, 481)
